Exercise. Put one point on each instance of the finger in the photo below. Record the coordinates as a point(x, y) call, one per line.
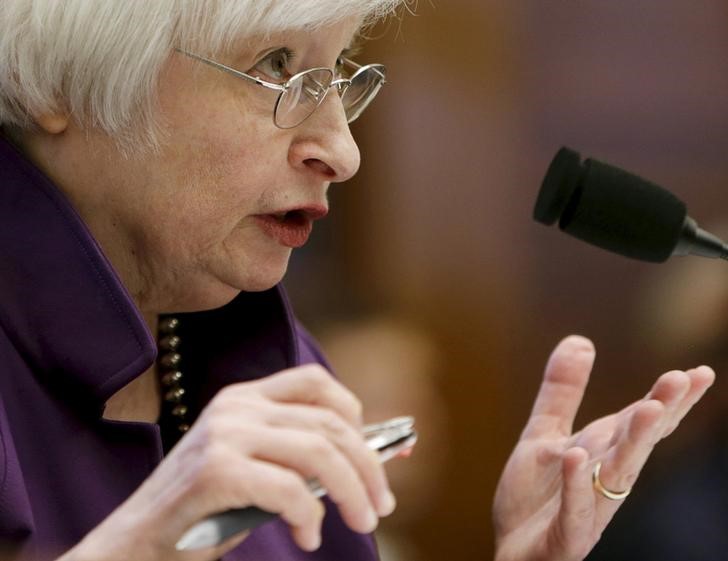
point(282, 491)
point(701, 379)
point(670, 388)
point(565, 378)
point(349, 440)
point(312, 385)
point(624, 462)
point(314, 456)
point(279, 490)
point(576, 517)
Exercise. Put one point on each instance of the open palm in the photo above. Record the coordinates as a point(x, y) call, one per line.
point(546, 508)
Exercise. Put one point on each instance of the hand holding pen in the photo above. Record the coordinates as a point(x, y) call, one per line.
point(262, 444)
point(389, 439)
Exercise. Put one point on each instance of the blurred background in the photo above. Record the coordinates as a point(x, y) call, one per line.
point(435, 294)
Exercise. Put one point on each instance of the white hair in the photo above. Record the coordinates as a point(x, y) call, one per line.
point(99, 60)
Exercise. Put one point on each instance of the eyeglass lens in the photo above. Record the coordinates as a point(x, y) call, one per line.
point(306, 92)
point(303, 96)
point(365, 85)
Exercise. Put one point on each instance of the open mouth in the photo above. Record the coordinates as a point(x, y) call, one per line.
point(292, 217)
point(290, 229)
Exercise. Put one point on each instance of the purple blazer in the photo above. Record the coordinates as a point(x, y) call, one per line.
point(70, 337)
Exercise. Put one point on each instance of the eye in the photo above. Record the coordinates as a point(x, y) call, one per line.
point(275, 65)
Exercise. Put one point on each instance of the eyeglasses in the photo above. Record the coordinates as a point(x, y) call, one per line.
point(301, 95)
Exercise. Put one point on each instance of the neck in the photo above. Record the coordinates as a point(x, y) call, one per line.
point(152, 321)
point(138, 401)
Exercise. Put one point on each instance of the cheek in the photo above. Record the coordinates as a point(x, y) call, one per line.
point(212, 174)
point(215, 188)
point(214, 148)
point(217, 171)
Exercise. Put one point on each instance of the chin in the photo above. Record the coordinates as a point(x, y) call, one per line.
point(261, 286)
point(218, 288)
point(265, 275)
point(212, 298)
point(260, 282)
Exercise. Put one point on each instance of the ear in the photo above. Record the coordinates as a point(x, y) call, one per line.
point(52, 123)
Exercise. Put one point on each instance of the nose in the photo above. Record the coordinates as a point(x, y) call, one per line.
point(324, 145)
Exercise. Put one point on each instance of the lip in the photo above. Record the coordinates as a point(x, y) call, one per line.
point(291, 227)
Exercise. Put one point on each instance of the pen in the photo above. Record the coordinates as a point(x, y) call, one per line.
point(389, 438)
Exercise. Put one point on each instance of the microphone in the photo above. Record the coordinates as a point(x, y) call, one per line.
point(619, 211)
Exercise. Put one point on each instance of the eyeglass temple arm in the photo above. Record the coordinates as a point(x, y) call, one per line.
point(229, 70)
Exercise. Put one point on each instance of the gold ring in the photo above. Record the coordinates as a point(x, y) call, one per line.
point(602, 490)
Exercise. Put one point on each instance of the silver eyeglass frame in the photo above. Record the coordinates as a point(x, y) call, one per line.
point(341, 84)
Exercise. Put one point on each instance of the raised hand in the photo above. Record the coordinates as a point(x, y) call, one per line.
point(547, 506)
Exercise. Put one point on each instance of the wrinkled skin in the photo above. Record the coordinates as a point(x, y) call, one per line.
point(546, 508)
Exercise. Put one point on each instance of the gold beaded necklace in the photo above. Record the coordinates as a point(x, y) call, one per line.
point(169, 364)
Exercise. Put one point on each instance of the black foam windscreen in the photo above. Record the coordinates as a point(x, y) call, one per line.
point(611, 208)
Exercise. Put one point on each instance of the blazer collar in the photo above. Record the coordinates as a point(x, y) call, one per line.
point(65, 310)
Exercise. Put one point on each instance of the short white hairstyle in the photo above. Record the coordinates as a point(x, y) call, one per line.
point(99, 60)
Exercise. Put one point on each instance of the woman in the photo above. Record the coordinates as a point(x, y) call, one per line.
point(160, 162)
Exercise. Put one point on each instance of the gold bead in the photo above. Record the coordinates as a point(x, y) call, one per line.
point(169, 343)
point(171, 378)
point(170, 360)
point(174, 395)
point(179, 410)
point(168, 325)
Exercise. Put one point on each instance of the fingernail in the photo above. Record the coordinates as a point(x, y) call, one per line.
point(387, 504)
point(372, 521)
